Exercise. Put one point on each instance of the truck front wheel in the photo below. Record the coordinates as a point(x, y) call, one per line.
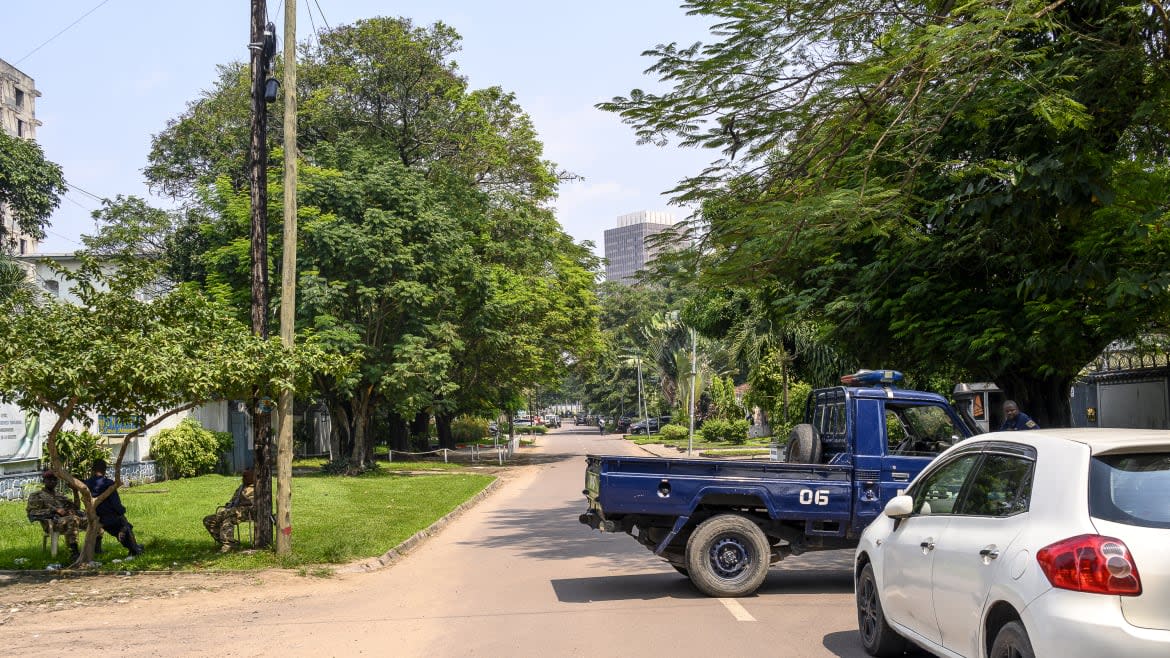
point(728, 556)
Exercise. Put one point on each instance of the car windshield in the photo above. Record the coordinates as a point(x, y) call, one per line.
point(1131, 489)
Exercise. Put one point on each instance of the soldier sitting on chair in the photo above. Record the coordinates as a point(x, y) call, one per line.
point(240, 508)
point(57, 511)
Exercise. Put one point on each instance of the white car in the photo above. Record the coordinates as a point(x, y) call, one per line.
point(1051, 543)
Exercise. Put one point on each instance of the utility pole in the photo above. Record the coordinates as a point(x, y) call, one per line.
point(262, 46)
point(288, 281)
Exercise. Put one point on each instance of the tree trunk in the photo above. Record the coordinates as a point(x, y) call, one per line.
point(341, 426)
point(399, 432)
point(419, 431)
point(443, 427)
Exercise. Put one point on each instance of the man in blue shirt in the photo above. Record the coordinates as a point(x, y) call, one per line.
point(1014, 419)
point(111, 513)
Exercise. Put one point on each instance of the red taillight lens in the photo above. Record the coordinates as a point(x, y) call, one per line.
point(1091, 563)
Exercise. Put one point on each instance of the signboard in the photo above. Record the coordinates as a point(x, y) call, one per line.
point(20, 432)
point(113, 425)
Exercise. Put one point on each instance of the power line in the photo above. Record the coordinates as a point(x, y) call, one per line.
point(47, 41)
point(87, 193)
point(319, 11)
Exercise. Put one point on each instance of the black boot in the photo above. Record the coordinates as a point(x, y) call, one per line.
point(126, 538)
point(97, 546)
point(74, 552)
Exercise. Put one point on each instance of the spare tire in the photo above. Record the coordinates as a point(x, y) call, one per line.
point(804, 446)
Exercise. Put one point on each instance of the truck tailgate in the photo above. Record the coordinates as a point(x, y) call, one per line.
point(620, 485)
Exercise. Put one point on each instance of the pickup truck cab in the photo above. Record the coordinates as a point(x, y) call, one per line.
point(722, 523)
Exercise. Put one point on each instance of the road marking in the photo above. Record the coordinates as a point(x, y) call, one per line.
point(738, 611)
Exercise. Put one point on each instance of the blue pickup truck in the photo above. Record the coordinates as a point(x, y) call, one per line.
point(722, 523)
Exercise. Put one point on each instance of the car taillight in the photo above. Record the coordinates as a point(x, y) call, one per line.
point(1091, 563)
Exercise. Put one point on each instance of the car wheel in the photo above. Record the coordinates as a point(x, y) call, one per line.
point(804, 446)
point(1012, 642)
point(876, 635)
point(728, 556)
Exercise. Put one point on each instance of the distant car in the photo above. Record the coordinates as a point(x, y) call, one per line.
point(623, 423)
point(655, 423)
point(1021, 544)
point(552, 420)
point(579, 419)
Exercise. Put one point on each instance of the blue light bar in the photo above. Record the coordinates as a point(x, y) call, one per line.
point(872, 378)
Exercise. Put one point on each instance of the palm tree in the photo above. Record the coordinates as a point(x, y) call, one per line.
point(13, 279)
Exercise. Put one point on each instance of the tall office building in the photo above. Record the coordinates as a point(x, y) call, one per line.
point(626, 248)
point(18, 119)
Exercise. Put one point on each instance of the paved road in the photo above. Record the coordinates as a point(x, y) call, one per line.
point(515, 576)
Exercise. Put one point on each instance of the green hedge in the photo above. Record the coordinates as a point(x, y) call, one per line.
point(727, 431)
point(673, 432)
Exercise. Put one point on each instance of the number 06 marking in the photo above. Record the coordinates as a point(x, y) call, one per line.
point(810, 497)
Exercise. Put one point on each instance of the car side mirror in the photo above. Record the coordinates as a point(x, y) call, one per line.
point(899, 507)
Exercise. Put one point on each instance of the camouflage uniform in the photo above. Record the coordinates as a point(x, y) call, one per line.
point(223, 523)
point(43, 506)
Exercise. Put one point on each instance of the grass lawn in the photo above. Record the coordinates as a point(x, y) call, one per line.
point(334, 520)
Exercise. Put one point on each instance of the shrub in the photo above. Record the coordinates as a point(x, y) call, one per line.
point(466, 429)
point(674, 432)
point(187, 450)
point(730, 431)
point(79, 450)
point(737, 431)
point(713, 430)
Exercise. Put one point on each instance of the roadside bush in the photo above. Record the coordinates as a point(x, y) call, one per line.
point(737, 432)
point(674, 432)
point(713, 430)
point(466, 429)
point(728, 431)
point(79, 450)
point(530, 429)
point(187, 450)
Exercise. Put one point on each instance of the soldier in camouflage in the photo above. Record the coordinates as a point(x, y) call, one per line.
point(240, 508)
point(57, 511)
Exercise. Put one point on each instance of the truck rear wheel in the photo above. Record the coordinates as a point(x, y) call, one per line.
point(804, 446)
point(728, 556)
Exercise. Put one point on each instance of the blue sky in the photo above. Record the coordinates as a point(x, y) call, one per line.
point(112, 80)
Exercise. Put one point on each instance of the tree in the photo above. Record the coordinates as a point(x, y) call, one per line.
point(973, 187)
point(117, 354)
point(30, 185)
point(427, 250)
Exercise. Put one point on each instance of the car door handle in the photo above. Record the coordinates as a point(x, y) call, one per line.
point(990, 553)
point(927, 545)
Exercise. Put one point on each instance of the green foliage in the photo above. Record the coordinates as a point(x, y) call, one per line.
point(30, 185)
point(79, 450)
point(187, 450)
point(723, 403)
point(467, 429)
point(428, 253)
point(980, 193)
point(672, 433)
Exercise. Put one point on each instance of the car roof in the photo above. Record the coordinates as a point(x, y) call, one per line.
point(1100, 440)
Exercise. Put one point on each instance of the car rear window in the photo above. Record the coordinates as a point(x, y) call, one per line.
point(1131, 489)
